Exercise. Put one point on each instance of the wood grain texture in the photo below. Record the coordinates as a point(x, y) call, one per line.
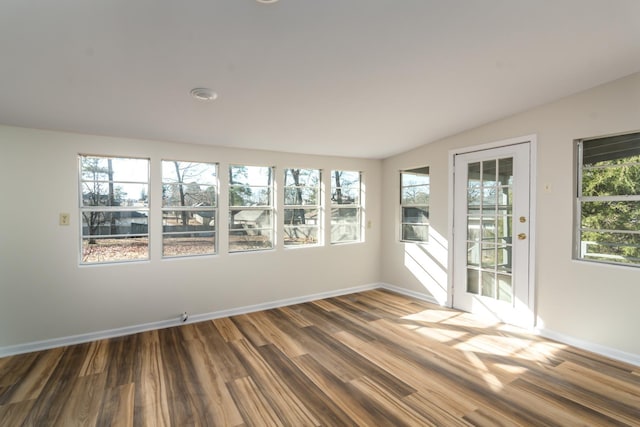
point(367, 359)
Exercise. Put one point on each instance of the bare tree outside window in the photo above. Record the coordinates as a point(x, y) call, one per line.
point(346, 208)
point(114, 218)
point(250, 208)
point(414, 205)
point(301, 207)
point(189, 208)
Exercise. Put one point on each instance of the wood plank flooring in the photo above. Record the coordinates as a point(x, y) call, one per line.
point(368, 359)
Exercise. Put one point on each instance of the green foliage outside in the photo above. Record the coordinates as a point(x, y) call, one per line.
point(615, 217)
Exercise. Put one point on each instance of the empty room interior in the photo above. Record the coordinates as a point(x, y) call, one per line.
point(298, 212)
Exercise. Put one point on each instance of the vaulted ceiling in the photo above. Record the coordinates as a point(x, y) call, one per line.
point(363, 78)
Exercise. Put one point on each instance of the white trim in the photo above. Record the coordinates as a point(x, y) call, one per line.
point(134, 329)
point(601, 350)
point(532, 140)
point(631, 358)
point(450, 226)
point(409, 293)
point(533, 209)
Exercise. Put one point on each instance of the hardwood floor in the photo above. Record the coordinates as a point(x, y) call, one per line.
point(370, 359)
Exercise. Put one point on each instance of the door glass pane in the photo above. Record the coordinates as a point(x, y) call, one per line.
point(505, 287)
point(488, 284)
point(473, 229)
point(505, 198)
point(473, 278)
point(474, 172)
point(488, 256)
point(503, 258)
point(489, 173)
point(503, 228)
point(505, 171)
point(490, 228)
point(473, 254)
point(473, 195)
point(489, 197)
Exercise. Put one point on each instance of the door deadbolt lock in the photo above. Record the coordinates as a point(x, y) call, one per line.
point(523, 219)
point(522, 236)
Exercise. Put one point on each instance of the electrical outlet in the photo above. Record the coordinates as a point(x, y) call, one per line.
point(65, 219)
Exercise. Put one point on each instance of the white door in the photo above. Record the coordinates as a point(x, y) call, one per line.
point(491, 233)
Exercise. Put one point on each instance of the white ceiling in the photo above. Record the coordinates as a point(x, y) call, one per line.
point(363, 78)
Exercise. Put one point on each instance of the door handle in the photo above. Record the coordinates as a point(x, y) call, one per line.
point(522, 236)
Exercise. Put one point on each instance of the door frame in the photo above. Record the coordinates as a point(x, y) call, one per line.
point(532, 140)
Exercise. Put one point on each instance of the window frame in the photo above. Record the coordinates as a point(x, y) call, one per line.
point(213, 209)
point(114, 210)
point(403, 205)
point(306, 207)
point(359, 207)
point(269, 208)
point(580, 246)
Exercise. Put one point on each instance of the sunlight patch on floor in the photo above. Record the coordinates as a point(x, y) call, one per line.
point(432, 316)
point(500, 346)
point(511, 369)
point(492, 381)
point(441, 335)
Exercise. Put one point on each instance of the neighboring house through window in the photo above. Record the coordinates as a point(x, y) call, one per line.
point(189, 208)
point(414, 205)
point(250, 208)
point(114, 209)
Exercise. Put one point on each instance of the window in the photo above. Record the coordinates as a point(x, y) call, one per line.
point(346, 210)
point(250, 208)
point(301, 207)
point(114, 208)
point(189, 208)
point(414, 205)
point(608, 199)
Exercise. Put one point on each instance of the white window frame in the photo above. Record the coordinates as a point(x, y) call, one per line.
point(581, 247)
point(359, 207)
point(269, 207)
point(306, 207)
point(88, 210)
point(422, 171)
point(192, 210)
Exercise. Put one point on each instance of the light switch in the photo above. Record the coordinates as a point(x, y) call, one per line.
point(65, 219)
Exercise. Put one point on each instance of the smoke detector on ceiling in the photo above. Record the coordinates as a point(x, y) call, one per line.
point(204, 94)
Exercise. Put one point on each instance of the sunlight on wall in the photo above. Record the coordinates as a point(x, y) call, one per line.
point(428, 264)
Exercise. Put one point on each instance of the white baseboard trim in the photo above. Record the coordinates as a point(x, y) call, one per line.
point(11, 350)
point(134, 329)
point(609, 352)
point(409, 293)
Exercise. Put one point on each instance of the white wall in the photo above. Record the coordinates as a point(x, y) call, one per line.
point(45, 294)
point(594, 303)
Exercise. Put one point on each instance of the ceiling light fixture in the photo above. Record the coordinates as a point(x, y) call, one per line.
point(266, 1)
point(204, 94)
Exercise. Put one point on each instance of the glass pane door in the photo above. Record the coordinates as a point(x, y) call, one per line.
point(490, 228)
point(491, 244)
